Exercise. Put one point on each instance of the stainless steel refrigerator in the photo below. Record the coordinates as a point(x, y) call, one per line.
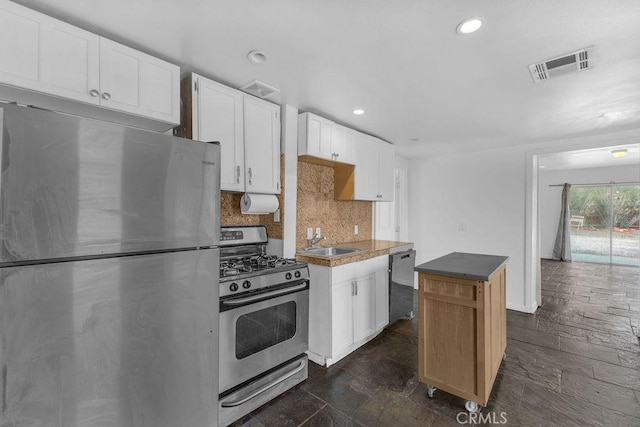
point(108, 274)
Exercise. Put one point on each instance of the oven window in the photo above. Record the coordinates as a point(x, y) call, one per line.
point(265, 328)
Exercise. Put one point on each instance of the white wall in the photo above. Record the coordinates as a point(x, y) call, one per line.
point(493, 194)
point(480, 193)
point(550, 196)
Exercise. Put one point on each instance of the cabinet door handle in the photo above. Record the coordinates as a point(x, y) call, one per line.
point(106, 96)
point(353, 288)
point(94, 92)
point(238, 174)
point(250, 175)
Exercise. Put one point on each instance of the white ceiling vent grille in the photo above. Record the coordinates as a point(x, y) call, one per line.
point(259, 89)
point(571, 63)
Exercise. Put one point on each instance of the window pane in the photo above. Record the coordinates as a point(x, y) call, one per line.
point(590, 210)
point(626, 235)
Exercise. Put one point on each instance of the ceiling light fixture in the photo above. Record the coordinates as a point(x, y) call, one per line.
point(470, 25)
point(619, 153)
point(256, 57)
point(358, 112)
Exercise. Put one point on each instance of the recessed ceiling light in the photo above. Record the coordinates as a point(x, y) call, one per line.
point(414, 139)
point(619, 153)
point(358, 112)
point(256, 57)
point(470, 25)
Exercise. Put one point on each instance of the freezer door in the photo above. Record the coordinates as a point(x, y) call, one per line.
point(78, 187)
point(128, 341)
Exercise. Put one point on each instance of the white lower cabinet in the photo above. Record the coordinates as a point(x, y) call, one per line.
point(349, 305)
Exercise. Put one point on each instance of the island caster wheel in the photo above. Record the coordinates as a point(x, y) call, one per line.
point(430, 390)
point(504, 356)
point(471, 406)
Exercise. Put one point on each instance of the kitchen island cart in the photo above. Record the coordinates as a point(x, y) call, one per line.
point(462, 332)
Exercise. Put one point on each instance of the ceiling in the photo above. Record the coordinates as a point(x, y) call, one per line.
point(591, 158)
point(401, 61)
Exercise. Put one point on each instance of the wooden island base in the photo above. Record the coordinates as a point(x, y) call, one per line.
point(462, 329)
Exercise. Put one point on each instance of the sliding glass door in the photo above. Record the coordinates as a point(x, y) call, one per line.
point(605, 224)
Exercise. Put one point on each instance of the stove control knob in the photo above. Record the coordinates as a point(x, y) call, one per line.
point(233, 287)
point(246, 284)
point(297, 274)
point(287, 276)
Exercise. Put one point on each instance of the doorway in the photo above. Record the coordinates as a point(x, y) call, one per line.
point(605, 225)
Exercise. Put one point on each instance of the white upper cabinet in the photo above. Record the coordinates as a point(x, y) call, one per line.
point(70, 62)
point(20, 34)
point(138, 83)
point(261, 145)
point(324, 139)
point(247, 128)
point(218, 116)
point(314, 136)
point(373, 175)
point(49, 63)
point(386, 160)
point(343, 141)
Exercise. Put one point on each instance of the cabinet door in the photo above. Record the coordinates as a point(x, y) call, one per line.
point(138, 83)
point(382, 292)
point(364, 307)
point(366, 171)
point(318, 136)
point(220, 118)
point(20, 35)
point(342, 318)
point(342, 142)
point(386, 156)
point(262, 145)
point(70, 62)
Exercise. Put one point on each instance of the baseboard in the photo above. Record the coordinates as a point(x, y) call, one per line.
point(316, 358)
point(519, 307)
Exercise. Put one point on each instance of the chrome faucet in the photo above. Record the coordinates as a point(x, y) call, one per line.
point(314, 240)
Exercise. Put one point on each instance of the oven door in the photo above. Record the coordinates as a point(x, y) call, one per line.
point(262, 330)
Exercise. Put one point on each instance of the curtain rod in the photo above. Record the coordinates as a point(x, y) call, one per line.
point(598, 184)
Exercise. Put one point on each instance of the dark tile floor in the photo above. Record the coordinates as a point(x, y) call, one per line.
point(576, 362)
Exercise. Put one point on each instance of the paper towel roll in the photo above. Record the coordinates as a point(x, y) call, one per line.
point(258, 203)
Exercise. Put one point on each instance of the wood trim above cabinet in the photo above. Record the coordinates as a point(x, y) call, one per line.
point(344, 182)
point(185, 129)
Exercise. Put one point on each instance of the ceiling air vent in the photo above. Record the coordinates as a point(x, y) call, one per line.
point(576, 61)
point(259, 89)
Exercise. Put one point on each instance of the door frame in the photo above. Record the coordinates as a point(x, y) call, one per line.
point(532, 279)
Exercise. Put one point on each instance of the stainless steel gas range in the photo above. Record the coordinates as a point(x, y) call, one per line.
point(264, 322)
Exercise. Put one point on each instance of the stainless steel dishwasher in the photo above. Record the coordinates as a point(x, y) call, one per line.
point(401, 294)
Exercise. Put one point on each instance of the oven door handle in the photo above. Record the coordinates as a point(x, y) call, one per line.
point(266, 387)
point(253, 298)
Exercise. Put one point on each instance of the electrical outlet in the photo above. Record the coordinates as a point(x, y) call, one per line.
point(276, 216)
point(355, 229)
point(309, 233)
point(462, 227)
point(318, 232)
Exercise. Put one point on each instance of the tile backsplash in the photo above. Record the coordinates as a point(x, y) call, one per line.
point(316, 207)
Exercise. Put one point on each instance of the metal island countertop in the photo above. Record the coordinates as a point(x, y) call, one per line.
point(464, 265)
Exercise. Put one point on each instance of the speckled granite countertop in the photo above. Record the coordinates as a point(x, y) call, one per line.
point(372, 249)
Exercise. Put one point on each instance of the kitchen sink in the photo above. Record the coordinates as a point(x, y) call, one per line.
point(329, 251)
